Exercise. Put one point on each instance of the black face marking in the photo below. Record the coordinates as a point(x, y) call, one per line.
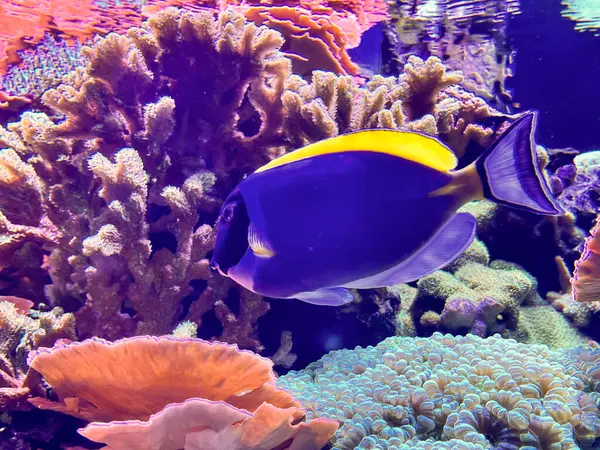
point(232, 234)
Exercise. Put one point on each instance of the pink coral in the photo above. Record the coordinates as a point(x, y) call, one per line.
point(22, 305)
point(201, 424)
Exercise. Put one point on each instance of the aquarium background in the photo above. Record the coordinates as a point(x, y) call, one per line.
point(555, 71)
point(124, 126)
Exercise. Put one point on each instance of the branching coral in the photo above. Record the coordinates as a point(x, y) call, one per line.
point(426, 97)
point(475, 393)
point(20, 333)
point(189, 391)
point(118, 191)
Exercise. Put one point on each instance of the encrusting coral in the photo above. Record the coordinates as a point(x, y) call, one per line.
point(482, 297)
point(469, 392)
point(171, 393)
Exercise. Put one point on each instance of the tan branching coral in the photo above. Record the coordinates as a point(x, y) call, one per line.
point(19, 334)
point(426, 97)
point(223, 62)
point(116, 189)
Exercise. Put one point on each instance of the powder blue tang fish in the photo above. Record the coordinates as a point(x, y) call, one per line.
point(368, 209)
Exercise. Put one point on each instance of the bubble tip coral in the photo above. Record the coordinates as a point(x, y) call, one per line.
point(412, 393)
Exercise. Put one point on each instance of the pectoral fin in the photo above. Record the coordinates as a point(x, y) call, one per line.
point(257, 244)
point(326, 297)
point(443, 248)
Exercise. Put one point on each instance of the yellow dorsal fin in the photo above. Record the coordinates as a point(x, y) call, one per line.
point(409, 145)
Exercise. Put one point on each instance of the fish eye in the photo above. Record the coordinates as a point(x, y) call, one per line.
point(228, 213)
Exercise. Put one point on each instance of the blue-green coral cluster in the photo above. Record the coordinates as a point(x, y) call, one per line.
point(455, 392)
point(43, 67)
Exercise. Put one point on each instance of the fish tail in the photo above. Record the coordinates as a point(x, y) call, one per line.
point(510, 173)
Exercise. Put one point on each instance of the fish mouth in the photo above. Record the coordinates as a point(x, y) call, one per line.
point(232, 235)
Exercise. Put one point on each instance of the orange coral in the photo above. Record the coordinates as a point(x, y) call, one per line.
point(354, 17)
point(7, 100)
point(188, 391)
point(318, 32)
point(311, 40)
point(200, 424)
point(312, 25)
point(586, 279)
point(147, 373)
point(24, 22)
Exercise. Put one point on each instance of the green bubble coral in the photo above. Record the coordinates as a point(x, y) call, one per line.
point(454, 392)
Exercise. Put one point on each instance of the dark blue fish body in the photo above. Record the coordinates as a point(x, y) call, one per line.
point(325, 212)
point(368, 209)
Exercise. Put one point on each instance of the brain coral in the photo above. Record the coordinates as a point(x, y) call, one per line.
point(454, 392)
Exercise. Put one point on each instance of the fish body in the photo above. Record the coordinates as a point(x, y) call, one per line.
point(368, 209)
